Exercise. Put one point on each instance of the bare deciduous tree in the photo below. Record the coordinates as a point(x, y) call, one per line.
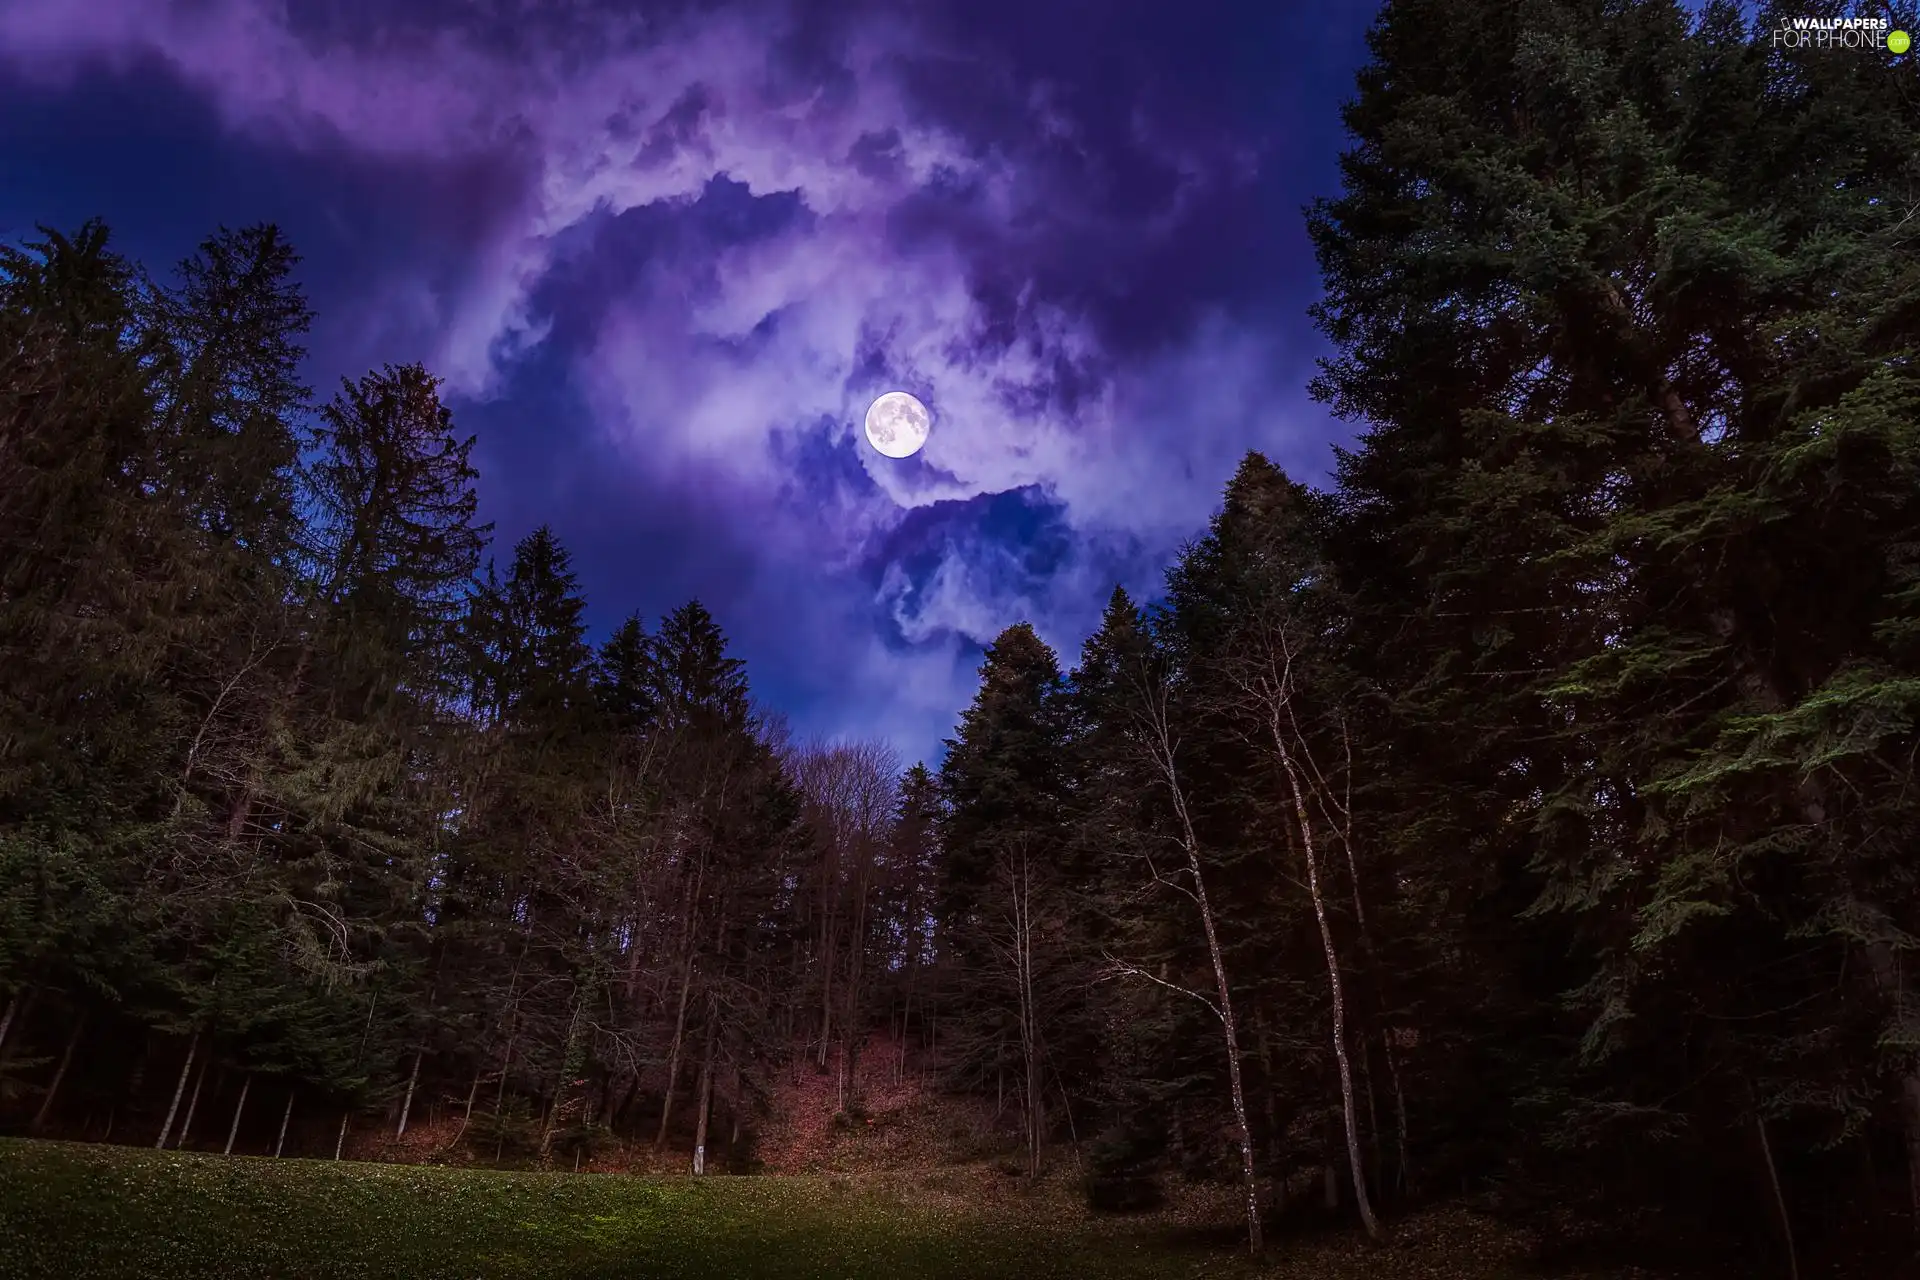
point(1264, 675)
point(850, 790)
point(1153, 733)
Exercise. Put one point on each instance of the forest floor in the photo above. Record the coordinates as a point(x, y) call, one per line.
point(72, 1210)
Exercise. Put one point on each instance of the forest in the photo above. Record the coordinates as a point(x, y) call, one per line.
point(1528, 812)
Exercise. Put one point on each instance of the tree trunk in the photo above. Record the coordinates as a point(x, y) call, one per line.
point(1256, 1243)
point(1272, 1097)
point(233, 1130)
point(500, 1097)
point(467, 1115)
point(1354, 1161)
point(1375, 972)
point(706, 1096)
point(59, 1075)
point(852, 1032)
point(913, 988)
point(1910, 1116)
point(413, 1078)
point(1035, 1095)
point(1021, 892)
point(739, 1106)
point(1402, 1171)
point(1073, 1130)
point(1162, 748)
point(180, 1087)
point(826, 986)
point(569, 1064)
point(193, 1105)
point(1779, 1196)
point(242, 814)
point(636, 953)
point(137, 1077)
point(1884, 965)
point(626, 1100)
point(673, 1055)
point(506, 1067)
point(26, 1005)
point(280, 1143)
point(6, 1019)
point(691, 909)
point(366, 1033)
point(1373, 1109)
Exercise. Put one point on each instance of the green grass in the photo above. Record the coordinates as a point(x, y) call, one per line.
point(98, 1211)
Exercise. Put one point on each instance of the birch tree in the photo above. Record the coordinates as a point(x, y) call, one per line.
point(1157, 738)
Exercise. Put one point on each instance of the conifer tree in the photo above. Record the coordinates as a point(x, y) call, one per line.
point(1004, 894)
point(1573, 280)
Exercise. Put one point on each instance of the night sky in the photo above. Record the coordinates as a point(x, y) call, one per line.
point(665, 255)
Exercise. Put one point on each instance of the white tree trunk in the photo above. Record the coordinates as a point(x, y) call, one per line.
point(193, 1105)
point(413, 1078)
point(1161, 749)
point(1023, 934)
point(59, 1076)
point(1354, 1162)
point(673, 1055)
point(467, 1116)
point(827, 962)
point(180, 1087)
point(706, 1093)
point(233, 1131)
point(1344, 807)
point(280, 1143)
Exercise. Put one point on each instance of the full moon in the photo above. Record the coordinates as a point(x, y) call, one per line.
point(897, 424)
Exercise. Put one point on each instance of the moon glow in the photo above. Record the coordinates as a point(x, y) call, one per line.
point(897, 424)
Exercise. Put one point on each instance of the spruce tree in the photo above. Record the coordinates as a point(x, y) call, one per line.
point(1575, 280)
point(1004, 892)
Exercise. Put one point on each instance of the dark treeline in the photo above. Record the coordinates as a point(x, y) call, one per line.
point(1531, 812)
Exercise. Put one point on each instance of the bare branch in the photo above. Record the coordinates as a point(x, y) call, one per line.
point(1121, 969)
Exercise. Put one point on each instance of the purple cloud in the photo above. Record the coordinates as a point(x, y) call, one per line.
point(949, 221)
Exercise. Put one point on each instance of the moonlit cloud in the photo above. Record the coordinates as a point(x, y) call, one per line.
point(824, 211)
